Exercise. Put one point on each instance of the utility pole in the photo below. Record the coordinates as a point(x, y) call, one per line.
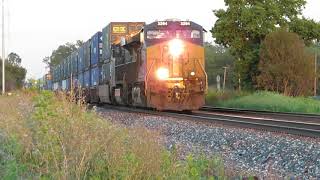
point(224, 77)
point(3, 53)
point(316, 74)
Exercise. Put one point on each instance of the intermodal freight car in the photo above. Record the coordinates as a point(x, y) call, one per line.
point(158, 65)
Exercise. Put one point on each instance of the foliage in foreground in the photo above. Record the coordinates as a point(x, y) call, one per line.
point(271, 102)
point(57, 139)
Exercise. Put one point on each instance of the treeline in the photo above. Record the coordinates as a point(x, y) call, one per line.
point(15, 74)
point(218, 58)
point(273, 44)
point(62, 52)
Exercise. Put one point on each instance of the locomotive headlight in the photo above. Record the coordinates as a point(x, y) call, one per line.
point(176, 47)
point(163, 73)
point(192, 73)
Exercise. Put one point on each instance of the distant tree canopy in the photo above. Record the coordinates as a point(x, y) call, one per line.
point(244, 24)
point(307, 29)
point(62, 52)
point(15, 73)
point(14, 59)
point(285, 65)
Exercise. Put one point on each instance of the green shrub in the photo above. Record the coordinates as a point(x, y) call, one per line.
point(10, 152)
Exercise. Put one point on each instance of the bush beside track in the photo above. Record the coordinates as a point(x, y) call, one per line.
point(265, 101)
point(47, 136)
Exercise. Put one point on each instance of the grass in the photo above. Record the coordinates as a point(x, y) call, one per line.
point(43, 136)
point(215, 97)
point(268, 101)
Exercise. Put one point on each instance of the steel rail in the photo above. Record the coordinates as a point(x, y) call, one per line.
point(260, 112)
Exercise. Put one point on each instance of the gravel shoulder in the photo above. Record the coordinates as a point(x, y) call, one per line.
point(254, 152)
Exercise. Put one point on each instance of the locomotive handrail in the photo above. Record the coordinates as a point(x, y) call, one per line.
point(147, 76)
point(204, 71)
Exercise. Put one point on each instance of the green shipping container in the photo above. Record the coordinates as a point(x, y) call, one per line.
point(87, 54)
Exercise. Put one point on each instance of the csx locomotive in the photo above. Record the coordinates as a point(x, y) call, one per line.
point(158, 65)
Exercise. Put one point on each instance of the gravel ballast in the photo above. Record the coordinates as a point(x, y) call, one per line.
point(251, 151)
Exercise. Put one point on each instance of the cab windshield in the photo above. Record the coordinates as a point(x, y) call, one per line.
point(168, 34)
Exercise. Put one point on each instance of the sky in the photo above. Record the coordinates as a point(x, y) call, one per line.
point(34, 28)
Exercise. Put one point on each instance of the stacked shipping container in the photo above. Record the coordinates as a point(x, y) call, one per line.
point(96, 49)
point(90, 66)
point(96, 56)
point(86, 55)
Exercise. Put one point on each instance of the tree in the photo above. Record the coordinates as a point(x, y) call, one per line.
point(15, 73)
point(244, 25)
point(285, 65)
point(308, 29)
point(62, 52)
point(14, 59)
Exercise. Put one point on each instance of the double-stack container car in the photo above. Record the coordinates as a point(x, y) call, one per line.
point(45, 83)
point(159, 65)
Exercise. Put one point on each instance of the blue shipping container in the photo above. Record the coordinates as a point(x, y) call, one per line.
point(95, 76)
point(86, 52)
point(68, 84)
point(75, 81)
point(80, 79)
point(81, 59)
point(49, 85)
point(68, 66)
point(96, 48)
point(74, 63)
point(53, 73)
point(64, 66)
point(86, 78)
point(61, 71)
point(64, 85)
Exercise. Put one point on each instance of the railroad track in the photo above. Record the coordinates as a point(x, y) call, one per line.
point(261, 113)
point(282, 122)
